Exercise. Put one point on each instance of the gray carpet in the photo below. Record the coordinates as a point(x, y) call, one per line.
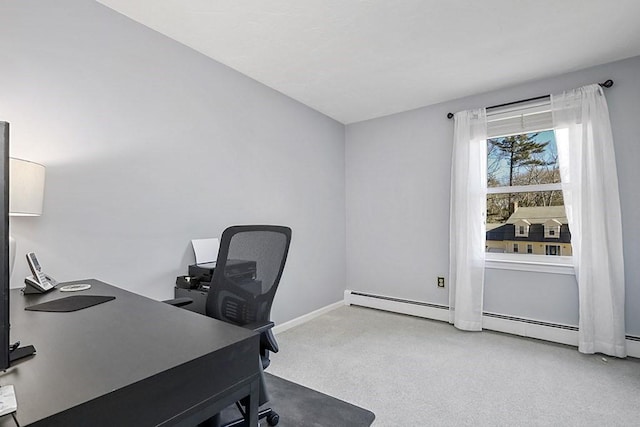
point(418, 372)
point(300, 406)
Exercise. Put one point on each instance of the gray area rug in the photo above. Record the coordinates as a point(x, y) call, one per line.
point(300, 406)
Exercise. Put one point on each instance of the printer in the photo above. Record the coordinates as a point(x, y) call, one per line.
point(201, 274)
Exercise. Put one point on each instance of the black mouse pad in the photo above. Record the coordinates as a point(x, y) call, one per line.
point(72, 303)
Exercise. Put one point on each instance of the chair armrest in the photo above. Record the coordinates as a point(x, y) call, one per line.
point(178, 302)
point(259, 326)
point(267, 340)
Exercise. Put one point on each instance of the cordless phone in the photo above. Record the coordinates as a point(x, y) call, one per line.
point(39, 282)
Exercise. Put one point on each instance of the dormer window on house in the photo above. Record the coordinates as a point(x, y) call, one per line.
point(522, 228)
point(552, 229)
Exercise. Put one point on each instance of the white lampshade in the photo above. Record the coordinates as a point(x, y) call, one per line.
point(26, 192)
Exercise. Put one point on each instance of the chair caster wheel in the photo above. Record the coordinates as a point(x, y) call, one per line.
point(273, 419)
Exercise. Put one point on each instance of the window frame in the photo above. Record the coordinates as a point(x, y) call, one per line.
point(559, 264)
point(521, 261)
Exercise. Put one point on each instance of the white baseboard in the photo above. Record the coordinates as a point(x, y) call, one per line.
point(563, 334)
point(306, 317)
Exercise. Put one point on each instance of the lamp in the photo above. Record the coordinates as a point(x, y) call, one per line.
point(26, 193)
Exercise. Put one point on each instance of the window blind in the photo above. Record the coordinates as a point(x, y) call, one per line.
point(520, 118)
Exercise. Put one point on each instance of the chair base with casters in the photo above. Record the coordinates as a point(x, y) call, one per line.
point(267, 343)
point(272, 417)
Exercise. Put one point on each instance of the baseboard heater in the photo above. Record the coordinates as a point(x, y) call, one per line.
point(555, 332)
point(529, 321)
point(404, 301)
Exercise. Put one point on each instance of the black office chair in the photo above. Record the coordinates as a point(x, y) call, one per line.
point(250, 262)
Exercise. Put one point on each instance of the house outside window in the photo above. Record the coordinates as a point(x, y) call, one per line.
point(529, 248)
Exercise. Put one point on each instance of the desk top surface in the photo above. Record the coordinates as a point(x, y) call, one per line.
point(86, 354)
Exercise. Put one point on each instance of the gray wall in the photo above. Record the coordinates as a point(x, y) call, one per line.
point(397, 183)
point(149, 144)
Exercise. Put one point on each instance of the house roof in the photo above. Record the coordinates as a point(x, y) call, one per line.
point(492, 225)
point(536, 234)
point(539, 214)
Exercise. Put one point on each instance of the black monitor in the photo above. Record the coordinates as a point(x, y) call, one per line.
point(4, 247)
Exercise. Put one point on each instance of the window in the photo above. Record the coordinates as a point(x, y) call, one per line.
point(525, 204)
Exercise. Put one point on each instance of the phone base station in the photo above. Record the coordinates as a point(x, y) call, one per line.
point(33, 287)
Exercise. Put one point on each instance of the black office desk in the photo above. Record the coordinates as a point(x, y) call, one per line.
point(198, 296)
point(127, 362)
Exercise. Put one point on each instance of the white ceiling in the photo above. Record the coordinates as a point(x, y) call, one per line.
point(358, 59)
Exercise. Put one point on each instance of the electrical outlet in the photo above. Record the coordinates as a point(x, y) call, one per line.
point(441, 282)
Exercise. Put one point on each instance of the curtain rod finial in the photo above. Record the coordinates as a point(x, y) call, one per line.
point(449, 115)
point(607, 83)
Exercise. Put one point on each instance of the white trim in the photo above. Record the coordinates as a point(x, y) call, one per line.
point(519, 326)
point(530, 262)
point(533, 188)
point(306, 317)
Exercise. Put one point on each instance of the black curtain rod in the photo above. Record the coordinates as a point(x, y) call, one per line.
point(607, 84)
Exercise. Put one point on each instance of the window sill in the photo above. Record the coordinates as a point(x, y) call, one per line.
point(534, 263)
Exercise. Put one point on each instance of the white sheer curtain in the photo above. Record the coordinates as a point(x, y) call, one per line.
point(590, 190)
point(467, 224)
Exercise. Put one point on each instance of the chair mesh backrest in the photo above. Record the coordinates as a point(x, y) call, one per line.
point(249, 266)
